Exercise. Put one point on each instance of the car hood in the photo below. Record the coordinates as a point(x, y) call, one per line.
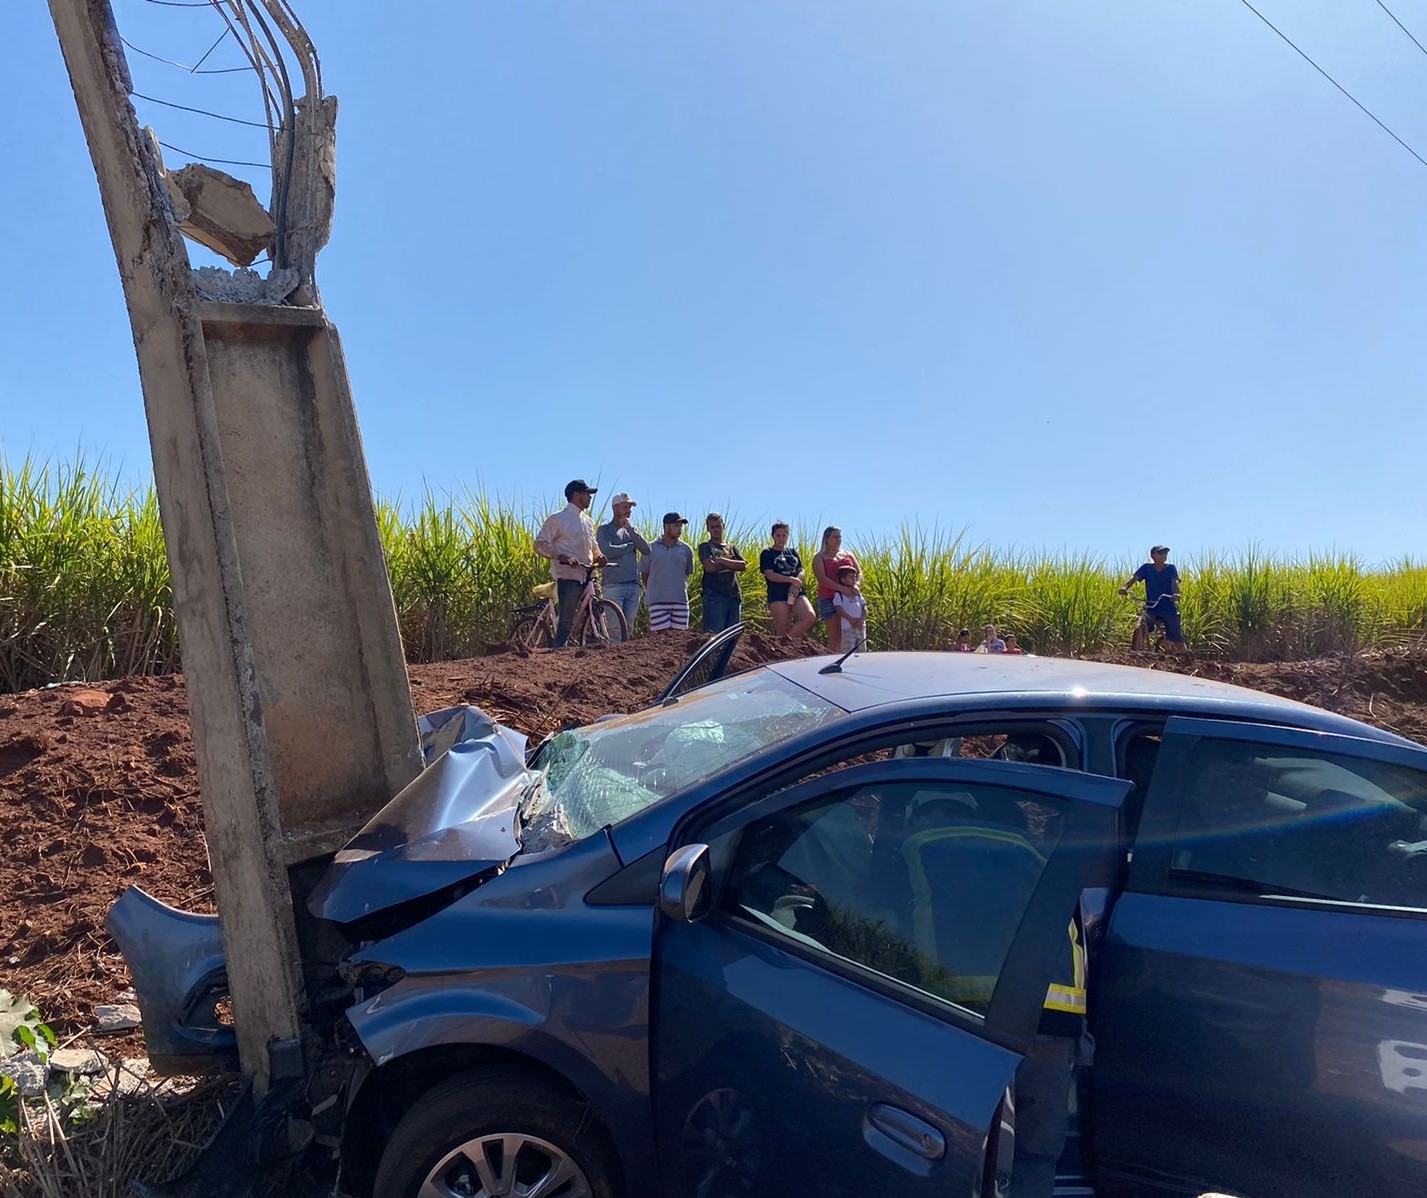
point(456, 820)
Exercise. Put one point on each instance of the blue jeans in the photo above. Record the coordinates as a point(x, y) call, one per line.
point(720, 611)
point(626, 594)
point(1165, 609)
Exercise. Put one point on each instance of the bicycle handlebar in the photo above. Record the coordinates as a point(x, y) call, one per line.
point(1126, 592)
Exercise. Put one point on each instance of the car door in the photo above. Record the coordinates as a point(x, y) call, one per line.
point(709, 663)
point(845, 1009)
point(1259, 1004)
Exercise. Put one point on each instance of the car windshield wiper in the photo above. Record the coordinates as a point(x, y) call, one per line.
point(1248, 885)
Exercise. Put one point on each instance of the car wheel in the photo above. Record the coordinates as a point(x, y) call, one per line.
point(496, 1131)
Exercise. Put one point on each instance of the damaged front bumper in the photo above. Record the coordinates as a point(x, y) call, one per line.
point(455, 824)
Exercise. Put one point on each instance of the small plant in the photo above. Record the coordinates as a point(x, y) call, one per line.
point(21, 1027)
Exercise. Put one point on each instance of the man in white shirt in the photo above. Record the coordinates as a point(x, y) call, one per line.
point(567, 539)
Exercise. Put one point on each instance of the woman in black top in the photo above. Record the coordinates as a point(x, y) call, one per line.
point(792, 614)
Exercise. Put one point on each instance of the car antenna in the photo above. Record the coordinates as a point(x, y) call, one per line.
point(835, 667)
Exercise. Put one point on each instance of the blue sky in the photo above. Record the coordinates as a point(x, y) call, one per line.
point(1078, 276)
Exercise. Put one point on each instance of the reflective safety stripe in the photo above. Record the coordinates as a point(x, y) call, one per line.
point(1070, 998)
point(1065, 998)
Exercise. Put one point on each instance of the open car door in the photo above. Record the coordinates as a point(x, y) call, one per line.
point(709, 663)
point(849, 972)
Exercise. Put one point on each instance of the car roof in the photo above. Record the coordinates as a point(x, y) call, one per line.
point(869, 680)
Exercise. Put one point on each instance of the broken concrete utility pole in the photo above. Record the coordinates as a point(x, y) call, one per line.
point(302, 717)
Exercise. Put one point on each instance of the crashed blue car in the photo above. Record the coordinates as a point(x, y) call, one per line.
point(791, 932)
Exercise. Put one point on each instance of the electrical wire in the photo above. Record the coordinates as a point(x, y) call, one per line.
point(205, 158)
point(181, 66)
point(217, 116)
point(1334, 82)
point(216, 42)
point(1401, 26)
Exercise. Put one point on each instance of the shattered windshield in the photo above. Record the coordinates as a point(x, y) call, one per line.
point(606, 772)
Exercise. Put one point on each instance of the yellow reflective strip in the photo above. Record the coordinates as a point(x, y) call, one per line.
point(1065, 998)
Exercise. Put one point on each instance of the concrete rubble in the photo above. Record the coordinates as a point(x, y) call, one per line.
point(78, 1062)
point(244, 286)
point(223, 213)
point(132, 1075)
point(28, 1071)
point(116, 1017)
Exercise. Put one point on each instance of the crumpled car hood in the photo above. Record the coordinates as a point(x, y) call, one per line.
point(455, 820)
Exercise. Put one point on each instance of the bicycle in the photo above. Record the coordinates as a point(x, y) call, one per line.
point(596, 621)
point(1149, 633)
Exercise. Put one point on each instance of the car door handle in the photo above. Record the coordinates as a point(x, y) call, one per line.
point(907, 1132)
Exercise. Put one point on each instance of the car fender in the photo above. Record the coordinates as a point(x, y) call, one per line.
point(514, 1012)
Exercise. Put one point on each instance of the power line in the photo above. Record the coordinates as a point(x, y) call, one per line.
point(181, 66)
point(1326, 76)
point(217, 116)
point(182, 3)
point(210, 49)
point(205, 158)
point(1401, 26)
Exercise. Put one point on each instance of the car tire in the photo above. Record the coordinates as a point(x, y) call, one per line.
point(479, 1114)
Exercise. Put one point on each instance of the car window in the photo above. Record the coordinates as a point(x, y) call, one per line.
point(606, 772)
point(923, 883)
point(1300, 823)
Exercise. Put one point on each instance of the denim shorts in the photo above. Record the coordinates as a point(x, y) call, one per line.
point(826, 608)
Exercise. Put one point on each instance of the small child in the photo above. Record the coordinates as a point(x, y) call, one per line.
point(1013, 649)
point(853, 610)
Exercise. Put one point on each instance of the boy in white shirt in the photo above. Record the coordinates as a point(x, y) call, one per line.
point(853, 610)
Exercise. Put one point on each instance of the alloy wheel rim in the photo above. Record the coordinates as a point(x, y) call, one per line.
point(506, 1165)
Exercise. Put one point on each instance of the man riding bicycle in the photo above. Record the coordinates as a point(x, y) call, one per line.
point(1161, 594)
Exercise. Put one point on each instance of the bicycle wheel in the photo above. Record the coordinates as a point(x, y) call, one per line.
point(535, 631)
point(1140, 641)
point(604, 623)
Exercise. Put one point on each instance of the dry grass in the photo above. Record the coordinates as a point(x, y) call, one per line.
point(136, 1128)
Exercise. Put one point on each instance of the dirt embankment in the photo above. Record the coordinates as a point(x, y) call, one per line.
point(97, 785)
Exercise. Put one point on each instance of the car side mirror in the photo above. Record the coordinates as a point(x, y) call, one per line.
point(684, 884)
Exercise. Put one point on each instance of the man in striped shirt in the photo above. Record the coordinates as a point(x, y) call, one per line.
point(666, 570)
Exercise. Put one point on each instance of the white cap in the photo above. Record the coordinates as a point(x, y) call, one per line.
point(622, 497)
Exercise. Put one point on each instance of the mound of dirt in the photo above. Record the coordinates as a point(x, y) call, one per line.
point(1387, 688)
point(98, 789)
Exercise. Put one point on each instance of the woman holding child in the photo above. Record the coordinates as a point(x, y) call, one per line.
point(827, 563)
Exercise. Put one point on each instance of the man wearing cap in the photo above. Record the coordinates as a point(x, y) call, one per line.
point(621, 543)
point(1161, 593)
point(567, 539)
point(666, 569)
point(722, 565)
